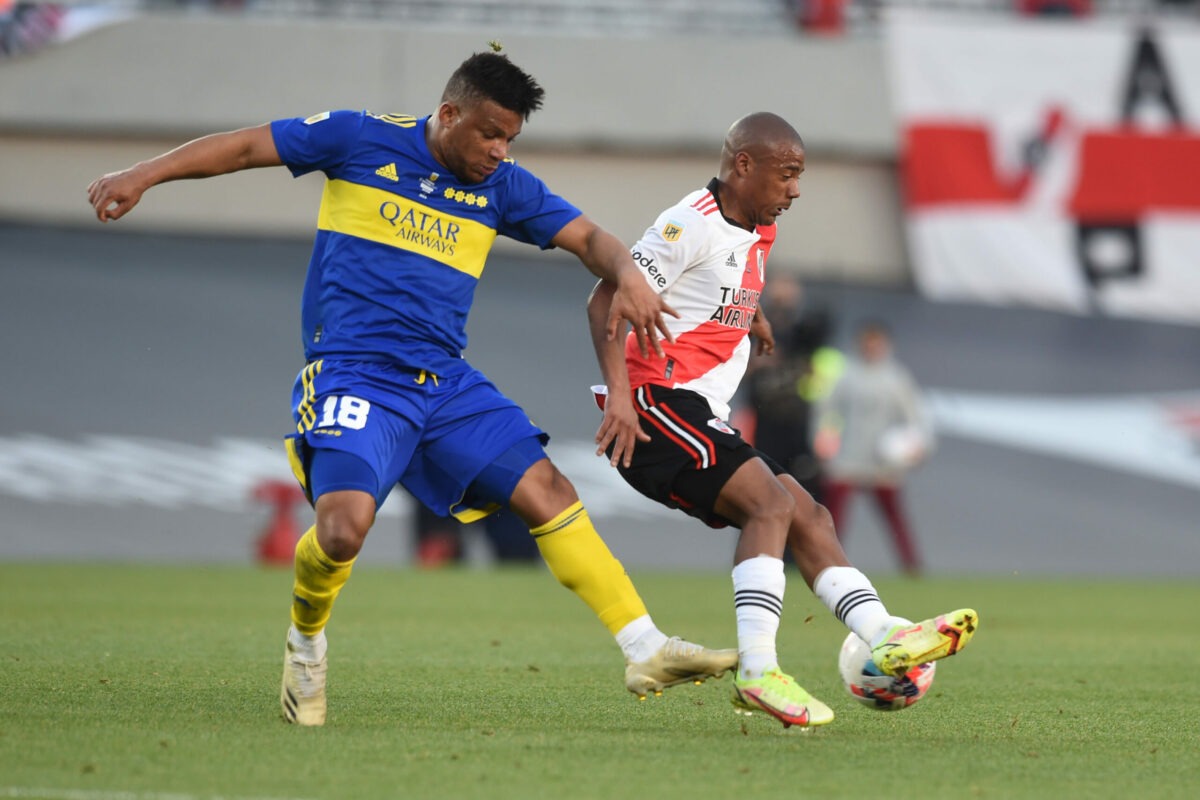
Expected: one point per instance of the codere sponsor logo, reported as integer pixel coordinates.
(388, 171)
(647, 263)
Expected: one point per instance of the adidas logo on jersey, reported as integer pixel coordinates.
(388, 172)
(732, 261)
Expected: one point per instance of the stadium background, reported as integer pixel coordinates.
(149, 362)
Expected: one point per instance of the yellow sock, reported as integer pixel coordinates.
(580, 560)
(318, 581)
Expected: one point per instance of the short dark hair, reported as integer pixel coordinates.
(491, 76)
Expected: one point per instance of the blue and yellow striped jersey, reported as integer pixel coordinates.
(400, 242)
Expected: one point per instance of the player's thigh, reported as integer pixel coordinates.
(754, 491)
(476, 427)
(356, 429)
(691, 454)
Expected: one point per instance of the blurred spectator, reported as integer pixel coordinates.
(871, 431)
(779, 388)
(822, 17)
(24, 27)
(1054, 8)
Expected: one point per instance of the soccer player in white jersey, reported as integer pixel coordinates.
(666, 422)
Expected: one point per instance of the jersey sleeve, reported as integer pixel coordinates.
(320, 142)
(673, 243)
(532, 213)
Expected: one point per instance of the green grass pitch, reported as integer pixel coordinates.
(161, 683)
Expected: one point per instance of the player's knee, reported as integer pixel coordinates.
(775, 506)
(543, 493)
(343, 520)
(812, 522)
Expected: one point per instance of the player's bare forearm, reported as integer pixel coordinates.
(113, 195)
(607, 258)
(602, 253)
(610, 352)
(620, 424)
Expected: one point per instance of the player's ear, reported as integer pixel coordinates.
(448, 114)
(742, 163)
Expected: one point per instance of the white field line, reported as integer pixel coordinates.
(38, 793)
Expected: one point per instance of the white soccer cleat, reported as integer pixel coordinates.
(302, 694)
(677, 662)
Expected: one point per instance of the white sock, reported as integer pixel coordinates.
(640, 639)
(853, 600)
(758, 585)
(309, 648)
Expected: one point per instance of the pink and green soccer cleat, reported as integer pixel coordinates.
(906, 646)
(777, 694)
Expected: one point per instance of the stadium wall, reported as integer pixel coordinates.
(629, 124)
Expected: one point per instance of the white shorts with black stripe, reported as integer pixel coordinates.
(691, 454)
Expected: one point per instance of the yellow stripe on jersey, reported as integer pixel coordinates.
(380, 216)
(296, 462)
(403, 120)
(308, 417)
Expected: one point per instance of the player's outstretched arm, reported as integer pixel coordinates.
(620, 423)
(633, 299)
(114, 194)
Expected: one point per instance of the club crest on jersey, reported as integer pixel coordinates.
(672, 231)
(762, 266)
(427, 184)
(720, 425)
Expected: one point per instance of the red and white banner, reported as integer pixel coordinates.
(1053, 163)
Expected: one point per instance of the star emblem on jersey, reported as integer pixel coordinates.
(469, 198)
(732, 261)
(388, 171)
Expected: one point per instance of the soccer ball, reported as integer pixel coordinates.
(869, 686)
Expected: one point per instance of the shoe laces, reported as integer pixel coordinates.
(780, 677)
(679, 648)
(305, 671)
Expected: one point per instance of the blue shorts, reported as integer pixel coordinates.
(433, 435)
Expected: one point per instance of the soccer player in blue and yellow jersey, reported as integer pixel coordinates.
(410, 210)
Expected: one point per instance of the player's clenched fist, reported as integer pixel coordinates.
(112, 195)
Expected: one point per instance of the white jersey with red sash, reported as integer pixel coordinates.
(712, 272)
